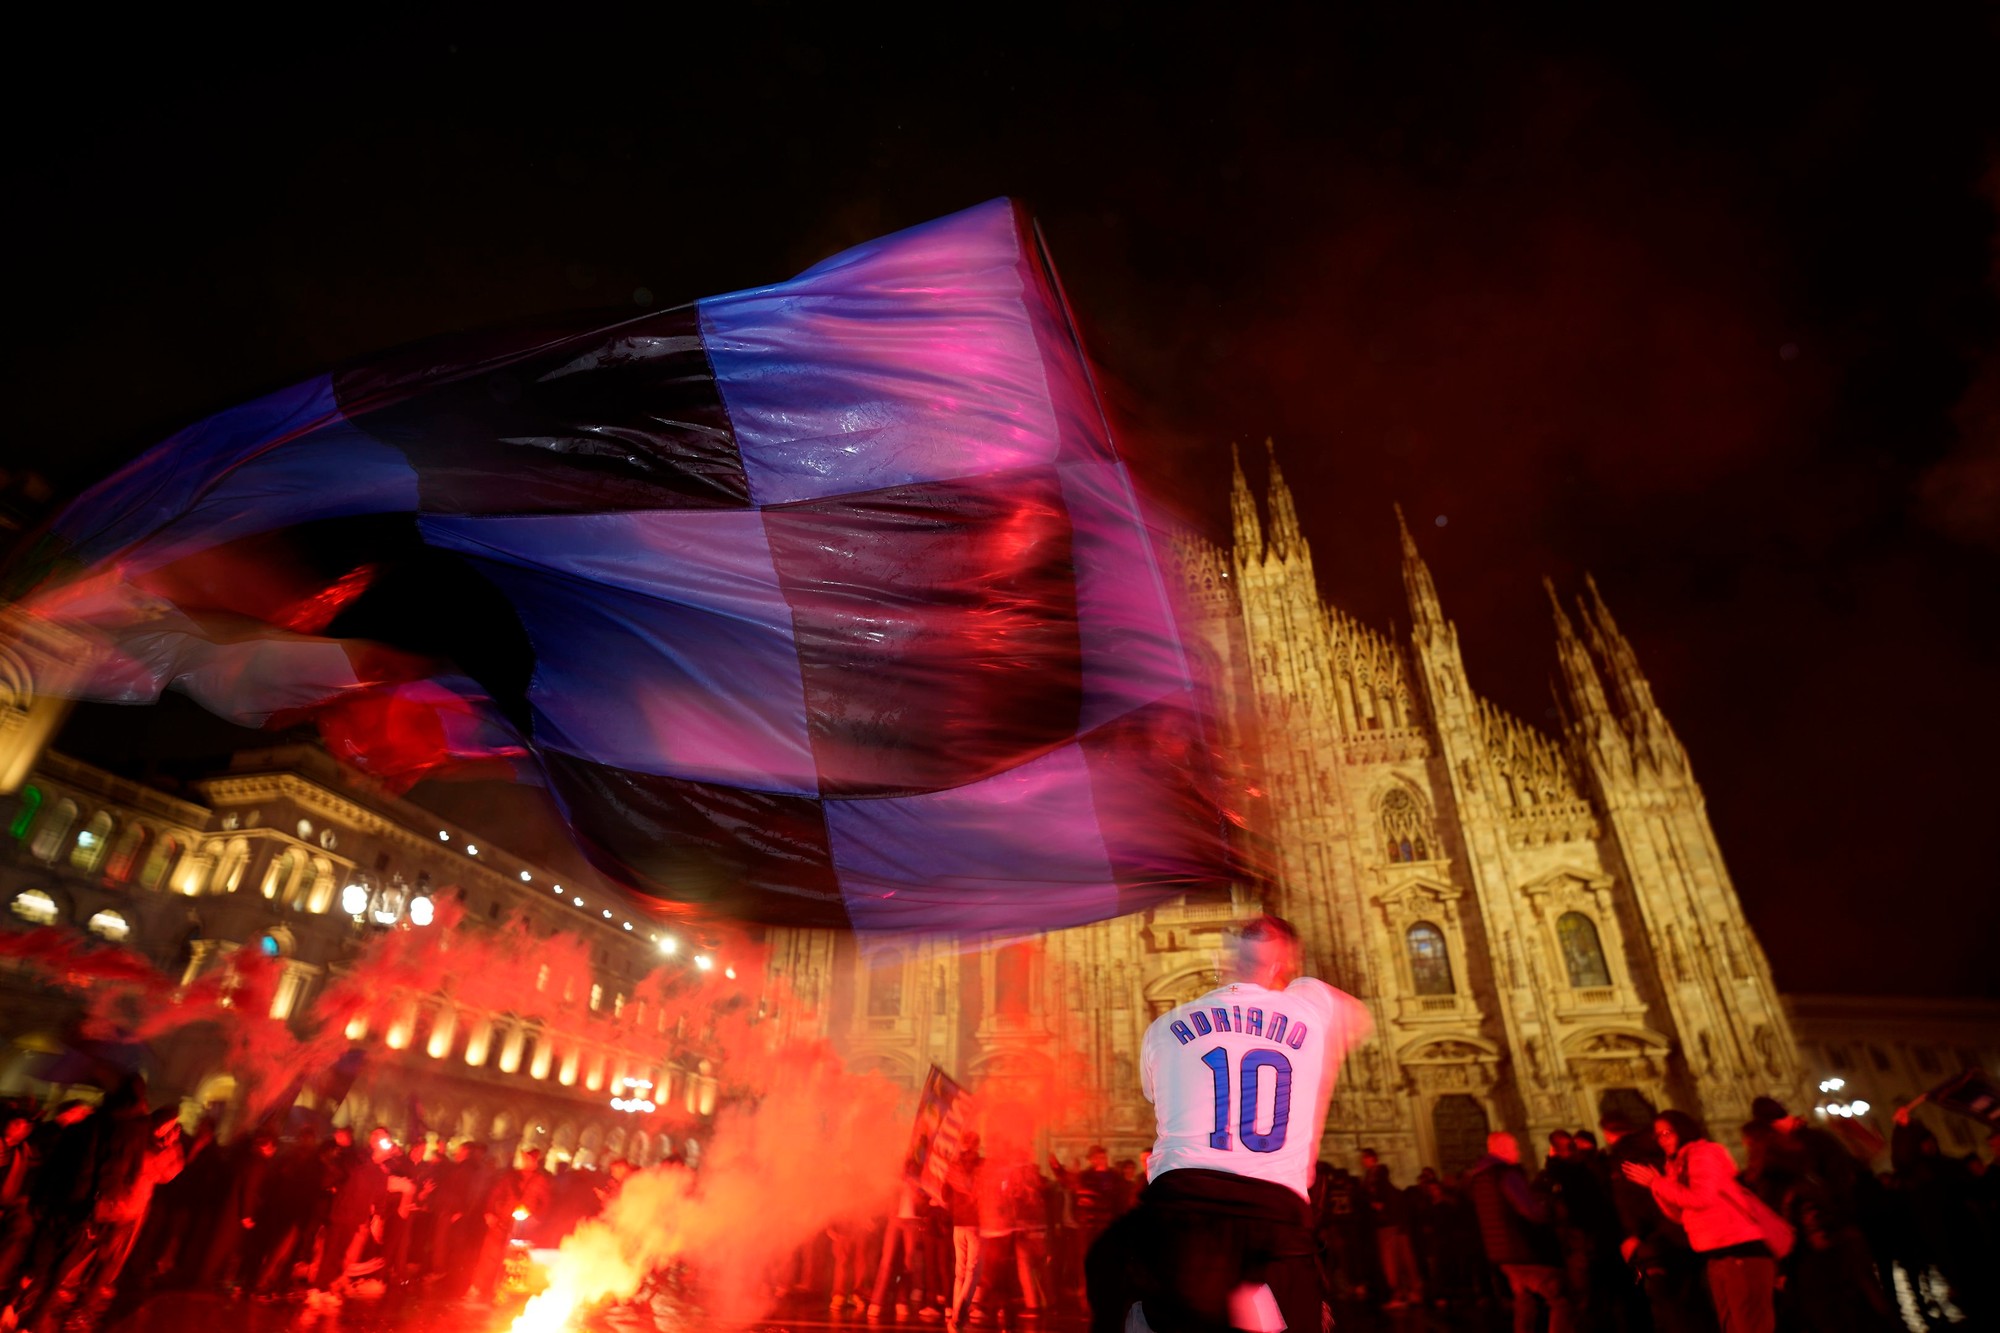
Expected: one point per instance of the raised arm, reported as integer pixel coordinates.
(1709, 1170)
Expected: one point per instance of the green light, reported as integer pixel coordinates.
(31, 805)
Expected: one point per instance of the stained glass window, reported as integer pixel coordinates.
(885, 985)
(1404, 831)
(1582, 954)
(1430, 962)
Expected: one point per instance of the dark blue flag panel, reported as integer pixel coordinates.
(829, 602)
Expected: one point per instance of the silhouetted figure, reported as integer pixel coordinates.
(1516, 1228)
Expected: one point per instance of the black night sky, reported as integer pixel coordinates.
(1706, 306)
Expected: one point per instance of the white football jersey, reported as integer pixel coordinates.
(1240, 1078)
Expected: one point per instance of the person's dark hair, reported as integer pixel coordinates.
(1767, 1109)
(1584, 1136)
(1686, 1128)
(1267, 927)
(1616, 1124)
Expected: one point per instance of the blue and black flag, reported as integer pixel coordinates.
(829, 602)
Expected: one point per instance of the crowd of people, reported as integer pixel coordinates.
(1654, 1226)
(999, 1239)
(103, 1205)
(1633, 1227)
(1625, 1228)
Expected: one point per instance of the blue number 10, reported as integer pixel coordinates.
(1217, 1061)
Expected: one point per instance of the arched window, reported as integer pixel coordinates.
(53, 831)
(1430, 962)
(92, 841)
(1014, 978)
(1405, 832)
(125, 855)
(35, 907)
(885, 985)
(109, 925)
(229, 867)
(1582, 954)
(27, 805)
(165, 852)
(316, 888)
(284, 873)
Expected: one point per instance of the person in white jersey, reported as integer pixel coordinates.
(1240, 1080)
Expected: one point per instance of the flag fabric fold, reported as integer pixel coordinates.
(829, 602)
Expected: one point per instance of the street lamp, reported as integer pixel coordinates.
(1845, 1110)
(634, 1096)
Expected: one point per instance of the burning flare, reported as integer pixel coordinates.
(810, 1145)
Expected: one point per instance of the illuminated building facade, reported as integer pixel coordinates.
(1543, 924)
(289, 853)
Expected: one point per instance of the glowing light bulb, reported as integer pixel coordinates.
(703, 961)
(607, 914)
(627, 925)
(729, 972)
(1860, 1108)
(577, 901)
(354, 899)
(470, 850)
(443, 836)
(421, 911)
(527, 878)
(668, 944)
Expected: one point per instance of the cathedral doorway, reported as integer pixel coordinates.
(1627, 1104)
(1459, 1124)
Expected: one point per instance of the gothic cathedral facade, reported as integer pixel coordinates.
(1542, 924)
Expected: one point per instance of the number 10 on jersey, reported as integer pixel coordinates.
(1254, 1063)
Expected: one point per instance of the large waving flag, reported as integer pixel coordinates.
(829, 602)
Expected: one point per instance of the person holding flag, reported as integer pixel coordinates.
(1240, 1080)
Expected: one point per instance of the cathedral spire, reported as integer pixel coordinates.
(1586, 688)
(1248, 531)
(1642, 717)
(1285, 536)
(1426, 612)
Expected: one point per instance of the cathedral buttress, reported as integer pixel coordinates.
(1717, 989)
(1526, 1019)
(1289, 644)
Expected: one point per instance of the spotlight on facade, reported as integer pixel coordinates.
(421, 911)
(703, 961)
(354, 898)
